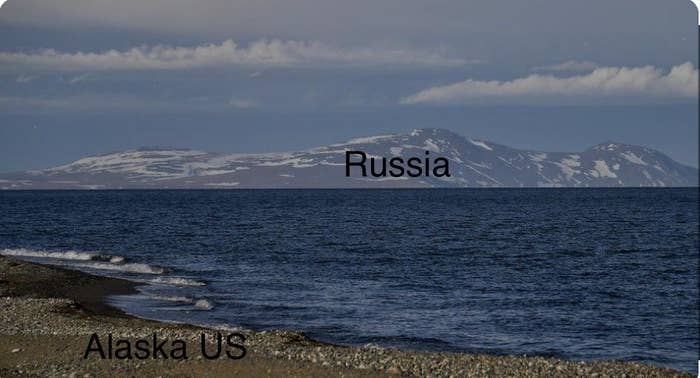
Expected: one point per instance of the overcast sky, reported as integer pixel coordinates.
(81, 77)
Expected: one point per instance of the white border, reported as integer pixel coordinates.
(697, 5)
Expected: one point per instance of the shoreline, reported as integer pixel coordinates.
(47, 315)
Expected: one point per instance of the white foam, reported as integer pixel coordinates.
(203, 304)
(177, 281)
(66, 255)
(173, 298)
(199, 304)
(130, 268)
(116, 260)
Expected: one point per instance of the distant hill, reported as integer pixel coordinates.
(473, 163)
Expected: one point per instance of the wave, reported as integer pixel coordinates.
(200, 304)
(90, 260)
(177, 281)
(172, 298)
(129, 268)
(67, 255)
(203, 304)
(116, 260)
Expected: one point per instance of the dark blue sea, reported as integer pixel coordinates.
(573, 273)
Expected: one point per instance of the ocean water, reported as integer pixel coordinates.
(572, 273)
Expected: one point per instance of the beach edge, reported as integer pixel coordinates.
(46, 307)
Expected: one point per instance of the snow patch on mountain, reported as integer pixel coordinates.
(223, 184)
(480, 144)
(602, 170)
(294, 162)
(632, 158)
(541, 156)
(373, 139)
(472, 163)
(572, 161)
(430, 145)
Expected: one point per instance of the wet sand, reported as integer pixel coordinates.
(47, 316)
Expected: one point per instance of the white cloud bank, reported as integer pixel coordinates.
(570, 65)
(604, 82)
(267, 53)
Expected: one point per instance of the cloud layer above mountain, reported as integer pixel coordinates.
(265, 53)
(569, 66)
(604, 82)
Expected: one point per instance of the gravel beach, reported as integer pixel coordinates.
(48, 314)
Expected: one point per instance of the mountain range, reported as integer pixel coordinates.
(473, 163)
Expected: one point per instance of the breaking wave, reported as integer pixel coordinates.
(200, 304)
(88, 260)
(172, 298)
(203, 304)
(99, 261)
(177, 281)
(67, 255)
(129, 268)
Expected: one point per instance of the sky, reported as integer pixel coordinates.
(83, 77)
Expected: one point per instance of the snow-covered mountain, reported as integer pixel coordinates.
(473, 163)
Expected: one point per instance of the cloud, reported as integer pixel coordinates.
(570, 66)
(96, 102)
(23, 79)
(604, 82)
(81, 78)
(243, 103)
(604, 30)
(85, 103)
(260, 53)
(107, 103)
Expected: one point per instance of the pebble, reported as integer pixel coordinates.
(42, 316)
(394, 370)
